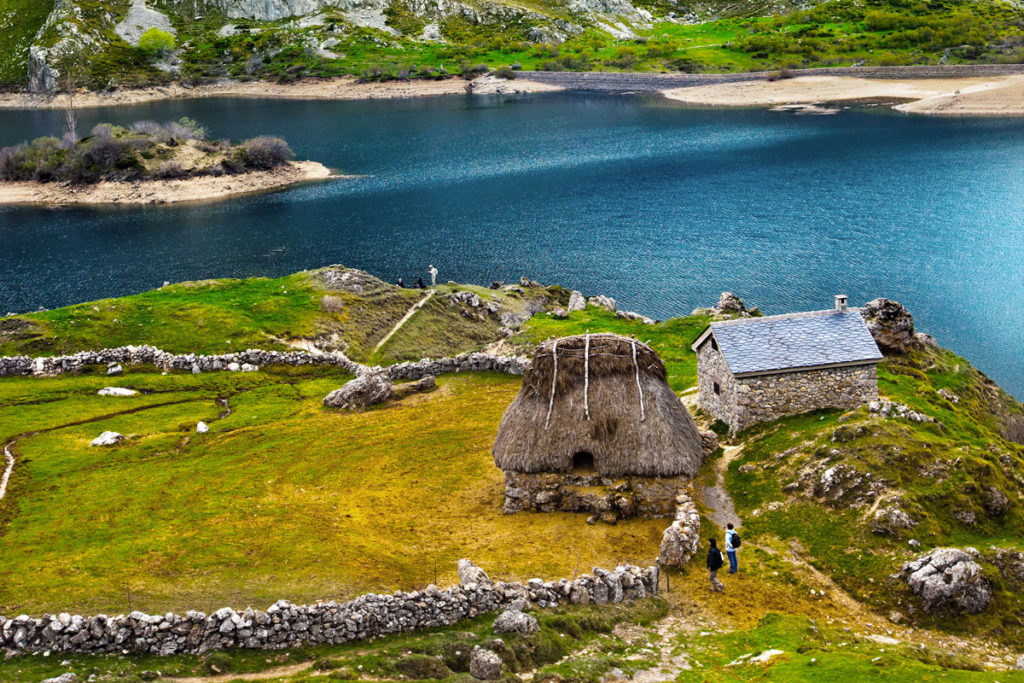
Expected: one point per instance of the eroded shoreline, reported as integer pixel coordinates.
(342, 88)
(174, 191)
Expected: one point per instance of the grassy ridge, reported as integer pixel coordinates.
(19, 22)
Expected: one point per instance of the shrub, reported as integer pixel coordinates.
(505, 72)
(156, 43)
(265, 152)
(421, 667)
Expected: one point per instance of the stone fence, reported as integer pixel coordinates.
(11, 366)
(285, 625)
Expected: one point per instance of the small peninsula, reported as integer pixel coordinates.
(147, 163)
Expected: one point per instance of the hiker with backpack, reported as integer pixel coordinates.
(714, 564)
(732, 544)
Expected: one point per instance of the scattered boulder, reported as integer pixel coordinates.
(891, 520)
(115, 369)
(996, 502)
(515, 621)
(576, 301)
(730, 303)
(630, 315)
(116, 391)
(425, 383)
(484, 665)
(107, 439)
(891, 325)
(947, 578)
(602, 301)
(249, 367)
(1020, 663)
(361, 392)
(470, 573)
(202, 427)
(559, 313)
(63, 678)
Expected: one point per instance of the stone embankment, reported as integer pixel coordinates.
(285, 625)
(681, 539)
(252, 359)
(650, 82)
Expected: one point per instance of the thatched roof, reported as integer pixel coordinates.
(612, 402)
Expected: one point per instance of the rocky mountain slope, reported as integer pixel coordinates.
(102, 45)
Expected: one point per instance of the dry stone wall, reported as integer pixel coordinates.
(11, 366)
(680, 540)
(285, 625)
(610, 499)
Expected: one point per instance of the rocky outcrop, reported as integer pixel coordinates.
(425, 383)
(515, 621)
(891, 520)
(469, 573)
(729, 306)
(484, 665)
(107, 439)
(141, 19)
(891, 325)
(362, 392)
(632, 315)
(602, 301)
(681, 539)
(576, 301)
(948, 579)
(284, 625)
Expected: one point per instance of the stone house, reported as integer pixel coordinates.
(752, 370)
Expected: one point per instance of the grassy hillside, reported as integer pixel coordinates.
(681, 36)
(333, 308)
(283, 498)
(19, 22)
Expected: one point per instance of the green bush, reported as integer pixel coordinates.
(156, 43)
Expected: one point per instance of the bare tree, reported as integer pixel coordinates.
(70, 65)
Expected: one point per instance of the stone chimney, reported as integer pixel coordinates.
(841, 303)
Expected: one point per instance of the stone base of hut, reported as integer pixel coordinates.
(608, 498)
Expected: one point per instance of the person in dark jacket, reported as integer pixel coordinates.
(714, 564)
(419, 283)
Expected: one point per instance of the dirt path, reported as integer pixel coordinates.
(721, 509)
(410, 313)
(269, 674)
(9, 460)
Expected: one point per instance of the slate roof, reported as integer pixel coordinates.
(796, 340)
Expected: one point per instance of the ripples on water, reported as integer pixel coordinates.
(657, 205)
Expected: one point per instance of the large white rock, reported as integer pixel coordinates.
(107, 439)
(202, 427)
(116, 391)
(361, 392)
(484, 665)
(576, 301)
(948, 578)
(470, 573)
(514, 621)
(139, 20)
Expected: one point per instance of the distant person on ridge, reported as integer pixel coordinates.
(419, 283)
(732, 544)
(714, 564)
(401, 283)
(432, 271)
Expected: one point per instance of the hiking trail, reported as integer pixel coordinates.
(405, 318)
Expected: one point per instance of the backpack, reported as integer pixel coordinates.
(714, 559)
(736, 540)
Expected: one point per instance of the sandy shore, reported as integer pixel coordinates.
(978, 96)
(344, 88)
(163, 191)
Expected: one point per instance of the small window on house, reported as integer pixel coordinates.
(718, 389)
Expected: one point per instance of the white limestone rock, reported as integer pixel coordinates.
(948, 578)
(116, 391)
(470, 573)
(202, 427)
(576, 301)
(140, 19)
(107, 439)
(484, 665)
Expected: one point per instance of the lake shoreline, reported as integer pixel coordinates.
(341, 88)
(948, 90)
(155, 192)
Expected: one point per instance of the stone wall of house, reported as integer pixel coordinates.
(711, 368)
(608, 499)
(285, 625)
(769, 397)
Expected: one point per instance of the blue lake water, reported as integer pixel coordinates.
(657, 205)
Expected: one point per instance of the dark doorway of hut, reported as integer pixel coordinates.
(583, 463)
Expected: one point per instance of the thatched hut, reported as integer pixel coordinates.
(593, 408)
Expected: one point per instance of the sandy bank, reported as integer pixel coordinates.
(974, 96)
(343, 88)
(199, 189)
